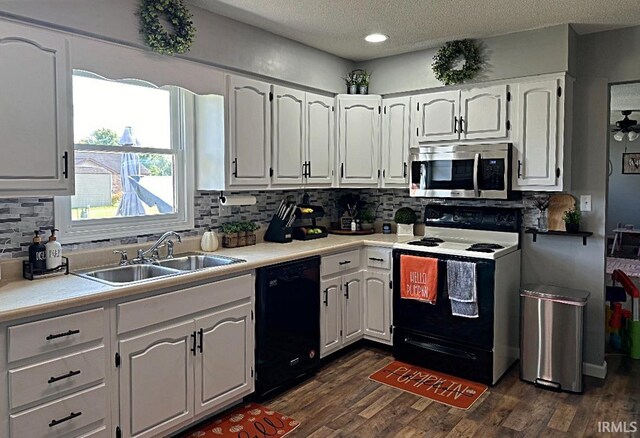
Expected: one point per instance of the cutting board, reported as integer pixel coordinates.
(558, 204)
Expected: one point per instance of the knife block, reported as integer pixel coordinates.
(278, 232)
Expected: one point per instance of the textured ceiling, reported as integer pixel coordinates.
(339, 26)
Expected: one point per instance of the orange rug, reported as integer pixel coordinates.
(249, 421)
(443, 388)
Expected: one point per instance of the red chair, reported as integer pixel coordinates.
(631, 289)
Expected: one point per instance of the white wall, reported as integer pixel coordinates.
(220, 41)
(509, 56)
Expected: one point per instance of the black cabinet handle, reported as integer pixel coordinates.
(404, 174)
(193, 338)
(71, 416)
(65, 171)
(342, 170)
(346, 290)
(64, 376)
(235, 167)
(455, 124)
(376, 259)
(62, 335)
(519, 169)
(304, 169)
(201, 336)
(326, 297)
(378, 173)
(308, 169)
(345, 262)
(462, 124)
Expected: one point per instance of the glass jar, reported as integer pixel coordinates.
(543, 221)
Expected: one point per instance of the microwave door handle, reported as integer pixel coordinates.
(476, 171)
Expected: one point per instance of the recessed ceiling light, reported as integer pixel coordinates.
(376, 38)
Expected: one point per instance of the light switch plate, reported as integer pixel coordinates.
(585, 202)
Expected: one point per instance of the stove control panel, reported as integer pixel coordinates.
(478, 218)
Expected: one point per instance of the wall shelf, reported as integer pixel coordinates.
(583, 234)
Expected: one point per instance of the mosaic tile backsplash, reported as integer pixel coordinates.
(20, 216)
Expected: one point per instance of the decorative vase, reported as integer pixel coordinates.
(405, 230)
(352, 89)
(543, 221)
(367, 226)
(571, 228)
(363, 89)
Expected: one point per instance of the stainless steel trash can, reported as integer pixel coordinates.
(551, 323)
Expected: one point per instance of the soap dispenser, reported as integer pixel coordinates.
(54, 251)
(37, 253)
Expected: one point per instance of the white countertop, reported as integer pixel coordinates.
(23, 298)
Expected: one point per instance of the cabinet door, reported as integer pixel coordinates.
(288, 135)
(436, 116)
(330, 316)
(224, 358)
(320, 139)
(395, 141)
(359, 137)
(352, 321)
(249, 131)
(35, 113)
(537, 145)
(156, 380)
(377, 306)
(483, 113)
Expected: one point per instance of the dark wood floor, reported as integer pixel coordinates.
(340, 401)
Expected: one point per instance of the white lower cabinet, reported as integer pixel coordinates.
(340, 312)
(377, 306)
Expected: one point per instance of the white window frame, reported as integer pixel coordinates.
(182, 141)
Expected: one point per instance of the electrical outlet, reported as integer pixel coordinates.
(585, 202)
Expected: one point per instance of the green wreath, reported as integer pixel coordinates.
(445, 57)
(156, 36)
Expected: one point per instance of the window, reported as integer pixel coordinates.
(132, 147)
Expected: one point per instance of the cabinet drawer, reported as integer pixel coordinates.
(173, 305)
(378, 258)
(98, 433)
(340, 262)
(61, 417)
(34, 338)
(44, 379)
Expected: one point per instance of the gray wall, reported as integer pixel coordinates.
(220, 41)
(623, 189)
(518, 54)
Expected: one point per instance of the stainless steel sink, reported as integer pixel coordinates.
(137, 273)
(129, 274)
(194, 262)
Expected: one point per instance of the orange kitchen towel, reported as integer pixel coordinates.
(419, 278)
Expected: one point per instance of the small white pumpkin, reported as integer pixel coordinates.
(209, 241)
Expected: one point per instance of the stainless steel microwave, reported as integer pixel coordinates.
(461, 171)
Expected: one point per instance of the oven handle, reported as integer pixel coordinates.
(441, 349)
(476, 172)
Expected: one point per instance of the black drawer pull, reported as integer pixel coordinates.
(64, 376)
(71, 416)
(376, 259)
(345, 262)
(62, 335)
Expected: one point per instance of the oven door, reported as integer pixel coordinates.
(445, 175)
(437, 321)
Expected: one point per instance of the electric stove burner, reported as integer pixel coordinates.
(471, 248)
(484, 247)
(427, 241)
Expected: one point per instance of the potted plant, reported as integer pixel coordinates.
(363, 82)
(351, 80)
(230, 238)
(242, 233)
(571, 220)
(367, 219)
(405, 217)
(250, 228)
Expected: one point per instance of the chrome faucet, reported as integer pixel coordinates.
(160, 243)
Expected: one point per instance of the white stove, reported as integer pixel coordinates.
(465, 243)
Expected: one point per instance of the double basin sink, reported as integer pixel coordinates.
(137, 273)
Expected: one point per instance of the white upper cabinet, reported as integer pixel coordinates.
(288, 111)
(35, 113)
(359, 139)
(320, 145)
(249, 131)
(540, 131)
(395, 141)
(483, 113)
(436, 116)
(472, 114)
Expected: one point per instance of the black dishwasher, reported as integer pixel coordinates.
(287, 323)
